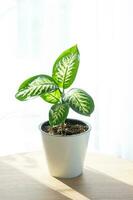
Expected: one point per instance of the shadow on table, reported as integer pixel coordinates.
(98, 186)
(17, 182)
(16, 185)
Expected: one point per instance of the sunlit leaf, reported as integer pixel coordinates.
(35, 86)
(53, 97)
(65, 67)
(58, 113)
(80, 101)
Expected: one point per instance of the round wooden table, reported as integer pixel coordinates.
(25, 177)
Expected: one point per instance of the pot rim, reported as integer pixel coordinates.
(74, 135)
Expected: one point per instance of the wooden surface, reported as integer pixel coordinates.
(25, 177)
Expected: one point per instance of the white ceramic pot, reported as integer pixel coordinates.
(65, 154)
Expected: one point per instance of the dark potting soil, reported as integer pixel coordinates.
(70, 127)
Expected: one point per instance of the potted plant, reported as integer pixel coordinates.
(65, 140)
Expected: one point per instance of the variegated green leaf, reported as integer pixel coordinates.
(53, 97)
(35, 86)
(65, 67)
(80, 101)
(58, 113)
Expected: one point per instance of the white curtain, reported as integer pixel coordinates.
(33, 33)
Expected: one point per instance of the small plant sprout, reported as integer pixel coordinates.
(52, 89)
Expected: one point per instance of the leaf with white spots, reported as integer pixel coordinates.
(66, 67)
(36, 86)
(80, 101)
(58, 114)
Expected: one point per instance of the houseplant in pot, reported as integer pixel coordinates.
(65, 140)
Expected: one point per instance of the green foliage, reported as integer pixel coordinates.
(35, 86)
(53, 97)
(80, 101)
(58, 114)
(65, 67)
(51, 89)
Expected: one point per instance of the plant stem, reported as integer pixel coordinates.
(60, 91)
(51, 130)
(63, 94)
(63, 91)
(62, 128)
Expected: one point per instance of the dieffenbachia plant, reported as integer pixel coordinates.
(51, 89)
